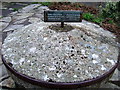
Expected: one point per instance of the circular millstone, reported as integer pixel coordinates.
(45, 54)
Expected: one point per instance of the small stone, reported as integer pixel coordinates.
(95, 56)
(94, 61)
(83, 51)
(45, 38)
(32, 50)
(59, 75)
(8, 83)
(45, 78)
(102, 67)
(111, 61)
(52, 68)
(75, 76)
(21, 60)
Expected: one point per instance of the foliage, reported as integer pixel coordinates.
(111, 21)
(111, 10)
(92, 17)
(98, 20)
(15, 9)
(88, 16)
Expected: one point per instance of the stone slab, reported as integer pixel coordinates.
(34, 19)
(3, 71)
(3, 25)
(21, 16)
(8, 83)
(20, 21)
(13, 27)
(5, 19)
(29, 8)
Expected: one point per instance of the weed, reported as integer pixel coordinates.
(15, 9)
(88, 16)
(98, 20)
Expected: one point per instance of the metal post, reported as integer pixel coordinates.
(62, 24)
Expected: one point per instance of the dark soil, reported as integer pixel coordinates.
(58, 28)
(114, 28)
(73, 6)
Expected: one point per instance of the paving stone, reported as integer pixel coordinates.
(41, 16)
(34, 19)
(20, 21)
(29, 8)
(21, 16)
(3, 71)
(8, 83)
(13, 27)
(13, 13)
(111, 86)
(41, 9)
(115, 76)
(3, 25)
(6, 19)
(1, 60)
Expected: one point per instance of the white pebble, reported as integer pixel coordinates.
(94, 61)
(33, 49)
(75, 76)
(22, 60)
(45, 38)
(102, 67)
(111, 61)
(95, 56)
(59, 75)
(45, 78)
(52, 68)
(83, 51)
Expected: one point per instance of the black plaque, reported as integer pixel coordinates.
(62, 16)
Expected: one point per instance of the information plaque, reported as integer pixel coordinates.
(62, 16)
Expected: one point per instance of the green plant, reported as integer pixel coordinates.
(111, 10)
(77, 6)
(98, 20)
(1, 17)
(15, 9)
(88, 16)
(93, 18)
(111, 21)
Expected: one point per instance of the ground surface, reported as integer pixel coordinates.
(14, 20)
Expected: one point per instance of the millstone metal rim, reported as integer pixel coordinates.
(41, 83)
